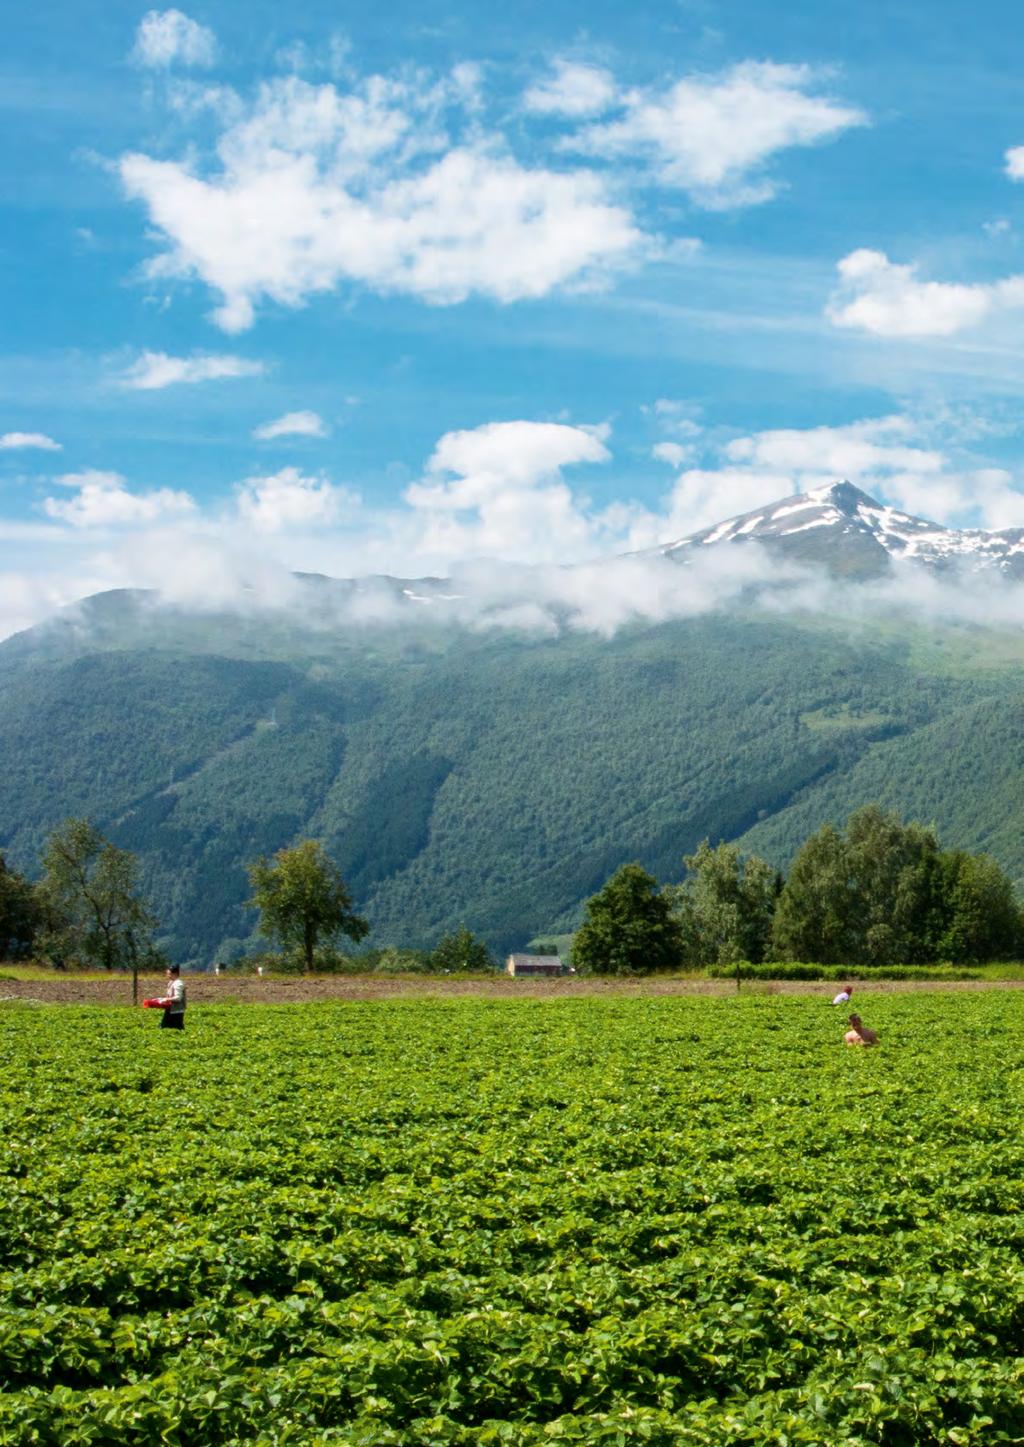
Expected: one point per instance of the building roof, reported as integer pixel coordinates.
(519, 960)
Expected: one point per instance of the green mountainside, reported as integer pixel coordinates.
(481, 777)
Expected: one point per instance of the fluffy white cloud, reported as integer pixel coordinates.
(858, 450)
(507, 476)
(156, 369)
(292, 424)
(289, 500)
(573, 90)
(314, 188)
(501, 491)
(879, 296)
(168, 37)
(1015, 163)
(878, 455)
(515, 454)
(702, 497)
(711, 135)
(674, 453)
(102, 500)
(11, 441)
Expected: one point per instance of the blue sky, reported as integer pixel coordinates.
(390, 288)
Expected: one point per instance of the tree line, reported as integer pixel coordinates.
(877, 892)
(87, 910)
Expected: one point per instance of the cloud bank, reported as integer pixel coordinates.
(405, 185)
(503, 512)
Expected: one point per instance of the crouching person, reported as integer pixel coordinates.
(858, 1033)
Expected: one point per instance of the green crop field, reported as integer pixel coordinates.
(678, 1221)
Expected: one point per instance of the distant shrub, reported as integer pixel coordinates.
(395, 961)
(797, 970)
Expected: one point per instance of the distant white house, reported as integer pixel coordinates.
(535, 965)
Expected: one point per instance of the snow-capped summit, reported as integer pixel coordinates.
(850, 532)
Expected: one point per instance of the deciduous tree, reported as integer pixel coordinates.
(91, 902)
(302, 899)
(460, 953)
(20, 913)
(725, 906)
(629, 928)
(882, 893)
(982, 917)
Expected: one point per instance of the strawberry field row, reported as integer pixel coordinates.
(664, 1221)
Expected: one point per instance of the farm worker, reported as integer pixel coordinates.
(859, 1034)
(173, 1002)
(843, 998)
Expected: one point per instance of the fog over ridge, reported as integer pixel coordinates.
(545, 601)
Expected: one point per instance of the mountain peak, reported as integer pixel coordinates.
(844, 529)
(842, 495)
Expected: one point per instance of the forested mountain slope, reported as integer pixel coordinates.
(479, 777)
(964, 772)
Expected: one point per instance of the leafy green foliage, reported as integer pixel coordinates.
(302, 900)
(20, 914)
(726, 906)
(432, 763)
(90, 901)
(665, 1221)
(629, 928)
(803, 970)
(882, 893)
(979, 917)
(460, 953)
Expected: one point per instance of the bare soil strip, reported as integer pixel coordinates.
(251, 990)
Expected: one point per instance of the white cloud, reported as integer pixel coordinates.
(674, 453)
(168, 37)
(880, 455)
(858, 450)
(292, 424)
(881, 297)
(507, 476)
(572, 89)
(289, 500)
(102, 499)
(156, 369)
(315, 188)
(10, 441)
(1015, 163)
(701, 497)
(504, 491)
(710, 135)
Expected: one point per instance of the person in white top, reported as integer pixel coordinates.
(843, 998)
(173, 1002)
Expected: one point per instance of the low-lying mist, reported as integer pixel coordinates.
(545, 601)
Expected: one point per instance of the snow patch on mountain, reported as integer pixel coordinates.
(858, 520)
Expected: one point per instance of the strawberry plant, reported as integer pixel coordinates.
(663, 1221)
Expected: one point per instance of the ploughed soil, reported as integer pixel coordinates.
(70, 989)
